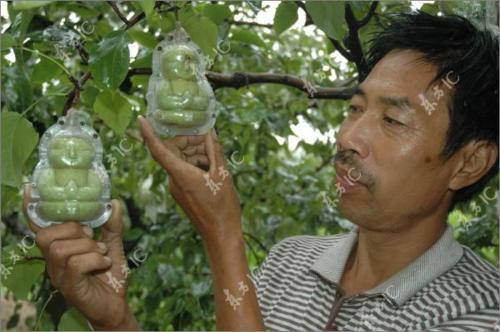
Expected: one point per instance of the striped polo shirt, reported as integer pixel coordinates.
(447, 288)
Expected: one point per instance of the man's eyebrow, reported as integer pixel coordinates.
(402, 103)
(358, 91)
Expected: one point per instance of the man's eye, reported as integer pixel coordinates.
(393, 122)
(353, 109)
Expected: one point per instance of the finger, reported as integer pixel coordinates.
(166, 158)
(213, 152)
(60, 251)
(79, 265)
(194, 149)
(185, 141)
(198, 160)
(112, 230)
(66, 231)
(26, 201)
(112, 234)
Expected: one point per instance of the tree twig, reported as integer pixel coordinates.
(74, 95)
(118, 12)
(134, 20)
(352, 50)
(353, 43)
(301, 5)
(241, 79)
(338, 46)
(364, 21)
(263, 25)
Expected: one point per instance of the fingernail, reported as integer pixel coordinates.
(107, 259)
(102, 246)
(87, 230)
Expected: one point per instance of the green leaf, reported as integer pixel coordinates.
(217, 13)
(89, 95)
(147, 6)
(247, 36)
(45, 70)
(18, 90)
(432, 9)
(73, 320)
(285, 17)
(26, 4)
(203, 32)
(143, 38)
(20, 25)
(360, 8)
(167, 23)
(7, 40)
(109, 61)
(114, 109)
(328, 16)
(145, 60)
(22, 276)
(19, 138)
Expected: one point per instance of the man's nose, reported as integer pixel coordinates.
(355, 135)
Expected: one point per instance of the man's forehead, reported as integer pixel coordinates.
(403, 70)
(405, 80)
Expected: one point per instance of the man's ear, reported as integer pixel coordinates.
(475, 160)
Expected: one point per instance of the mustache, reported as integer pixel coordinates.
(346, 159)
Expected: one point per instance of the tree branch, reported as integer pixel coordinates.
(352, 50)
(364, 21)
(301, 5)
(74, 95)
(353, 43)
(118, 12)
(250, 24)
(338, 46)
(241, 79)
(133, 20)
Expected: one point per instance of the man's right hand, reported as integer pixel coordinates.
(90, 274)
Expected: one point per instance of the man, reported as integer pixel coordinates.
(422, 136)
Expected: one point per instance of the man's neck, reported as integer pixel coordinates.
(379, 255)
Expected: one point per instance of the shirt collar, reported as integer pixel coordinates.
(439, 258)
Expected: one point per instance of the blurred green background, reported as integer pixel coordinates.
(278, 141)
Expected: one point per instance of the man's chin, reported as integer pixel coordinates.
(354, 211)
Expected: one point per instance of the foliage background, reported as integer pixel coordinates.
(281, 179)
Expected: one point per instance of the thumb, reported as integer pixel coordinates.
(112, 230)
(26, 201)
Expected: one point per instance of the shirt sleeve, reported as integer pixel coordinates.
(261, 276)
(483, 320)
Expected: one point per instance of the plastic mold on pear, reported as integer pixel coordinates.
(70, 182)
(180, 98)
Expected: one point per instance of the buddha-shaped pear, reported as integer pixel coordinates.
(69, 182)
(180, 99)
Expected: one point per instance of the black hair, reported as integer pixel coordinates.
(454, 45)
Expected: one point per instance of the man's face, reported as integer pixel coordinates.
(393, 148)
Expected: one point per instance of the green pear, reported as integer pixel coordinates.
(179, 62)
(70, 152)
(70, 210)
(70, 189)
(184, 118)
